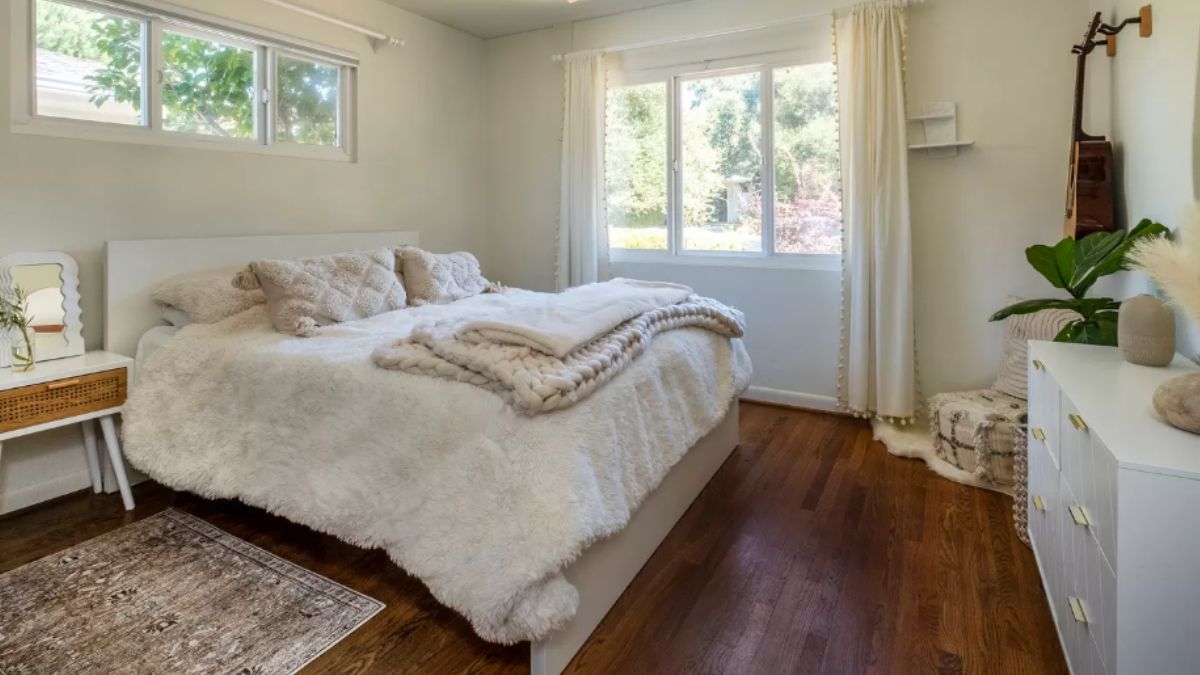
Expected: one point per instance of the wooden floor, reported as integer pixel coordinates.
(811, 551)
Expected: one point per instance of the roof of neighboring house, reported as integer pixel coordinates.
(64, 72)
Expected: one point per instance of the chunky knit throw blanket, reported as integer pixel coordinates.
(534, 381)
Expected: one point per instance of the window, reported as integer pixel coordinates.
(180, 78)
(307, 101)
(742, 161)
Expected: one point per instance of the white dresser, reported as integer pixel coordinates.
(1114, 501)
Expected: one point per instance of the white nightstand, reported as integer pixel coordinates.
(74, 390)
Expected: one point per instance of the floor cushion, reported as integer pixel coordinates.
(977, 430)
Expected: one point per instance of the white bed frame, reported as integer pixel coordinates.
(601, 574)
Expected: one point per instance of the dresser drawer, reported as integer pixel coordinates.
(59, 399)
(1086, 601)
(1042, 510)
(1044, 410)
(1091, 471)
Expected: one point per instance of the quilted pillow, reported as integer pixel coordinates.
(1018, 331)
(439, 278)
(305, 294)
(206, 297)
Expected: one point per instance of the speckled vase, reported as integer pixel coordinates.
(1178, 402)
(1146, 331)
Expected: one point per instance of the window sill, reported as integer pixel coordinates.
(115, 133)
(809, 262)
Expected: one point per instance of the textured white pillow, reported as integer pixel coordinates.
(439, 278)
(1018, 331)
(207, 296)
(311, 292)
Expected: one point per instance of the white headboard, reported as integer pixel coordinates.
(133, 268)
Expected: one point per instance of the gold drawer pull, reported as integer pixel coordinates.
(1039, 365)
(1077, 609)
(1039, 504)
(1080, 516)
(63, 384)
(1077, 422)
(1039, 434)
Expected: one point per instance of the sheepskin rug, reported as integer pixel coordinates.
(486, 506)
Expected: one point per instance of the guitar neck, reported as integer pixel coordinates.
(1077, 120)
(1077, 132)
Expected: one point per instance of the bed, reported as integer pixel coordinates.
(598, 567)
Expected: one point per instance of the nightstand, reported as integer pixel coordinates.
(75, 390)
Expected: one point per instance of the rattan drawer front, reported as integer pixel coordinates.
(40, 403)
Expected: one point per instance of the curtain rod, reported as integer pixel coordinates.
(377, 39)
(722, 33)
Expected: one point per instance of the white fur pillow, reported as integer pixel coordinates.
(311, 292)
(207, 296)
(439, 278)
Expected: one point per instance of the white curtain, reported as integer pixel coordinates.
(582, 233)
(877, 373)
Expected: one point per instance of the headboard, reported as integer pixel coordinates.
(133, 268)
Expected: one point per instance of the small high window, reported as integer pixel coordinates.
(178, 76)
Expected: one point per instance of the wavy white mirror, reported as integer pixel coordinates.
(50, 282)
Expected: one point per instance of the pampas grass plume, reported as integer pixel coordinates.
(1174, 265)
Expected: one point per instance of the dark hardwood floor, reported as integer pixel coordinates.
(811, 551)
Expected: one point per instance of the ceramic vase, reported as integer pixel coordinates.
(1146, 331)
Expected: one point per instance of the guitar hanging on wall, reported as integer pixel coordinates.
(1090, 205)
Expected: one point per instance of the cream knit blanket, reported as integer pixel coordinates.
(534, 381)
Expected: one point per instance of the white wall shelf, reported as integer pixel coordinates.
(940, 124)
(936, 146)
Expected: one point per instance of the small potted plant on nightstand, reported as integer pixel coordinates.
(14, 318)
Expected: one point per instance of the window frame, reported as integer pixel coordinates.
(674, 77)
(157, 17)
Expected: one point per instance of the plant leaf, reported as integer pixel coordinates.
(1046, 261)
(1092, 250)
(1114, 260)
(1031, 306)
(1088, 308)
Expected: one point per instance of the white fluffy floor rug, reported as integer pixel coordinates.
(916, 442)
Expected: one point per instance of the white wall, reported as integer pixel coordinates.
(1155, 125)
(421, 124)
(973, 215)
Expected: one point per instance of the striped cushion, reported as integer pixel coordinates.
(1019, 330)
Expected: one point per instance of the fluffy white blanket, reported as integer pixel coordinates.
(484, 505)
(603, 328)
(561, 323)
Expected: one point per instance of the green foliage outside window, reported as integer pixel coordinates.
(207, 87)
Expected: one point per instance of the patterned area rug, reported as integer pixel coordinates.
(170, 594)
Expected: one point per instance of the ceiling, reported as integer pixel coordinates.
(495, 18)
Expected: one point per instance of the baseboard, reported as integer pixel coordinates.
(792, 399)
(30, 495)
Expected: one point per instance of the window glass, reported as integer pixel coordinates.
(636, 166)
(306, 97)
(208, 87)
(89, 64)
(808, 197)
(721, 120)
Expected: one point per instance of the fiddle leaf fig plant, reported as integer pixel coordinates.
(1076, 266)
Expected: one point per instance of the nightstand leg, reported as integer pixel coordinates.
(93, 455)
(118, 462)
